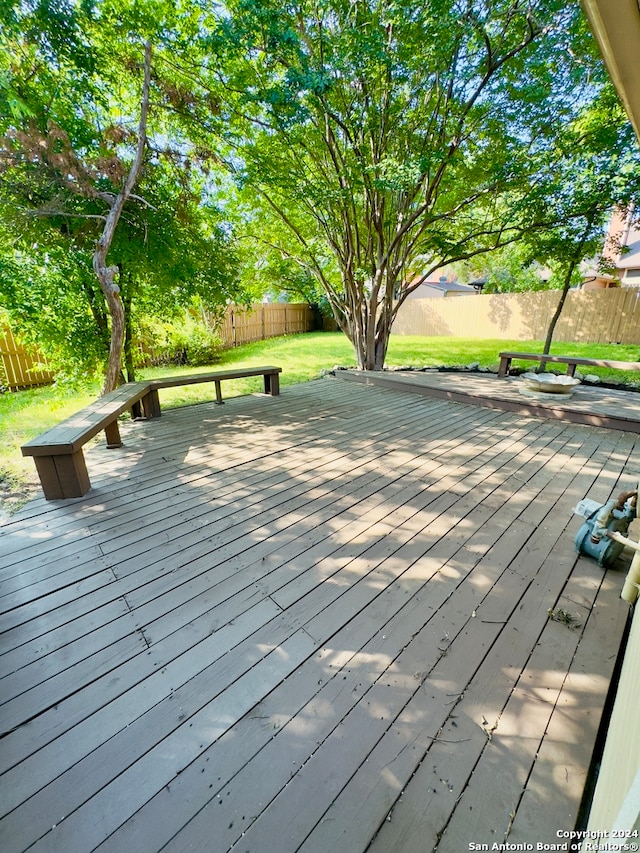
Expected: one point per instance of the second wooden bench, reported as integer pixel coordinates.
(571, 361)
(58, 452)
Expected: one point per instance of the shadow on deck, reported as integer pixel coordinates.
(308, 623)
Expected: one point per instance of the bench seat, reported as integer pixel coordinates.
(58, 454)
(571, 361)
(270, 374)
(69, 435)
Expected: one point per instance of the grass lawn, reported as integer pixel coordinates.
(302, 357)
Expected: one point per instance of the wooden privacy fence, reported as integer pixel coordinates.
(19, 368)
(242, 325)
(589, 316)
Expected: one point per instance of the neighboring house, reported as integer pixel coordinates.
(442, 287)
(594, 279)
(622, 251)
(628, 262)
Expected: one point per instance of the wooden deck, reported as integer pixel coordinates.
(307, 623)
(589, 404)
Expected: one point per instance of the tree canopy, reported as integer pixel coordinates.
(363, 143)
(596, 169)
(90, 178)
(396, 137)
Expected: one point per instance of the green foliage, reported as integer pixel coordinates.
(47, 299)
(189, 341)
(596, 168)
(506, 270)
(267, 264)
(394, 138)
(69, 99)
(361, 142)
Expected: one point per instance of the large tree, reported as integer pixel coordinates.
(395, 136)
(66, 140)
(93, 184)
(597, 170)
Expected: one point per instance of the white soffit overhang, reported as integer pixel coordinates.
(616, 27)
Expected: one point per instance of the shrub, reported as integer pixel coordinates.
(188, 341)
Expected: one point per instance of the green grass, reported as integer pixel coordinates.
(23, 415)
(302, 357)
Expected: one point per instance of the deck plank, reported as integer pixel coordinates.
(392, 754)
(227, 485)
(281, 650)
(331, 702)
(563, 758)
(441, 781)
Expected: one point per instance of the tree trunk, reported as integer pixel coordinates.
(367, 323)
(354, 326)
(363, 358)
(369, 351)
(97, 308)
(116, 312)
(556, 314)
(105, 274)
(566, 284)
(381, 342)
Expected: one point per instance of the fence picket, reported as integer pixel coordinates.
(18, 364)
(242, 325)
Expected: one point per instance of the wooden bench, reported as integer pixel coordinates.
(571, 361)
(58, 453)
(271, 381)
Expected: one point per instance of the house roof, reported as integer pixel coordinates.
(443, 285)
(448, 286)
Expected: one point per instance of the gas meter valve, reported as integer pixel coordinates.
(614, 516)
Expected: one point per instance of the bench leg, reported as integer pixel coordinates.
(136, 411)
(151, 404)
(503, 369)
(219, 401)
(112, 432)
(63, 476)
(272, 384)
(571, 369)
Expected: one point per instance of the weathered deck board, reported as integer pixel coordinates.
(93, 604)
(565, 753)
(167, 493)
(392, 754)
(225, 524)
(275, 624)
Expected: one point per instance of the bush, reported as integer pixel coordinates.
(184, 342)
